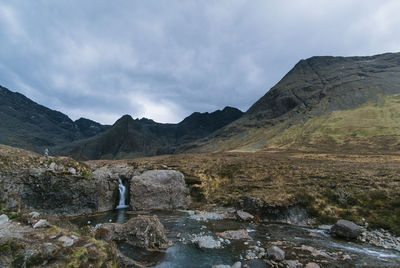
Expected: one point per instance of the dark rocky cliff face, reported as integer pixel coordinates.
(130, 137)
(28, 125)
(31, 126)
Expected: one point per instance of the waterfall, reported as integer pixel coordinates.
(122, 193)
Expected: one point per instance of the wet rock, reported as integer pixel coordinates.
(142, 231)
(346, 229)
(312, 265)
(237, 265)
(380, 238)
(294, 214)
(275, 253)
(205, 216)
(3, 218)
(243, 215)
(205, 241)
(159, 189)
(221, 266)
(235, 235)
(41, 224)
(314, 252)
(292, 263)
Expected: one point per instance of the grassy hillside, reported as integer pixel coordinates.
(323, 103)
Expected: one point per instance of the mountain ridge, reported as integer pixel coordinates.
(313, 88)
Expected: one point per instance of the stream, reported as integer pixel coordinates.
(328, 251)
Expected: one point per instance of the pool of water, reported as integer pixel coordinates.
(183, 254)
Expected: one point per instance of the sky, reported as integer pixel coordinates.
(164, 59)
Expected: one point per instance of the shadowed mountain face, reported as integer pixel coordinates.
(29, 125)
(130, 137)
(329, 103)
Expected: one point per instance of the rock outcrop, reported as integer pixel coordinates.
(142, 231)
(30, 181)
(24, 246)
(159, 189)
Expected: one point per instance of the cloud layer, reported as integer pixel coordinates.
(163, 60)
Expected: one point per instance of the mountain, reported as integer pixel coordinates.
(130, 137)
(323, 103)
(29, 125)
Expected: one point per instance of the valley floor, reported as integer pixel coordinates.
(362, 188)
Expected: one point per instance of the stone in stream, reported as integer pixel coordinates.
(237, 264)
(275, 253)
(235, 235)
(312, 265)
(243, 215)
(292, 263)
(346, 229)
(142, 231)
(205, 241)
(159, 189)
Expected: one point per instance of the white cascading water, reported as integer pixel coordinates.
(122, 192)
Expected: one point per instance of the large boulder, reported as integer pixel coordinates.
(159, 189)
(143, 231)
(346, 229)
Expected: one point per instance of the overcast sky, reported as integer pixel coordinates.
(101, 59)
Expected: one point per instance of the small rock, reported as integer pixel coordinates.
(206, 242)
(3, 218)
(237, 265)
(66, 241)
(275, 253)
(89, 245)
(34, 215)
(72, 171)
(41, 224)
(36, 172)
(49, 249)
(221, 266)
(243, 215)
(53, 166)
(346, 257)
(312, 265)
(235, 235)
(293, 263)
(74, 237)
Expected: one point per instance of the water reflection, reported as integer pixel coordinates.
(121, 216)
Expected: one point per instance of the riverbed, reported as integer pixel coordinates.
(299, 243)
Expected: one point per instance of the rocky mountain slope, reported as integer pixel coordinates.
(130, 137)
(323, 103)
(29, 125)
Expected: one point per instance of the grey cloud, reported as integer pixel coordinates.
(167, 59)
